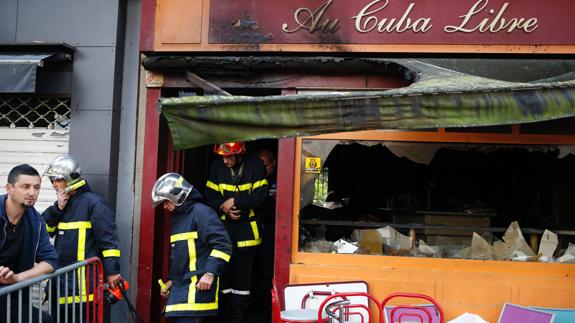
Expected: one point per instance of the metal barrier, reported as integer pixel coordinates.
(74, 294)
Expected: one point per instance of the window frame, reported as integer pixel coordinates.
(437, 136)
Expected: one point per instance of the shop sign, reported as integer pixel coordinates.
(527, 22)
(312, 165)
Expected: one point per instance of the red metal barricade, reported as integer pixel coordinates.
(75, 292)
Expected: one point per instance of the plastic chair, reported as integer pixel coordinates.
(310, 295)
(340, 310)
(419, 311)
(294, 315)
(343, 308)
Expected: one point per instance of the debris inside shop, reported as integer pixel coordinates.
(485, 202)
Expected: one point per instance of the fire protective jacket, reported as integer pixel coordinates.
(85, 228)
(199, 243)
(248, 185)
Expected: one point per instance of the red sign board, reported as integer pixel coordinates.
(496, 22)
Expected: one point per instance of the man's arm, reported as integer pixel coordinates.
(8, 277)
(104, 228)
(257, 197)
(52, 216)
(214, 236)
(45, 252)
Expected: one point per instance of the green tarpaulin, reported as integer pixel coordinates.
(439, 98)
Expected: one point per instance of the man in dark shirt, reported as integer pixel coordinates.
(25, 249)
(10, 251)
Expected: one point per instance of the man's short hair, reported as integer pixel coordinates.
(23, 169)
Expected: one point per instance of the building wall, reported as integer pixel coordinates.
(90, 26)
(104, 90)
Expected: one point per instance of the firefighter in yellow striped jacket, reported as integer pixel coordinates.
(199, 250)
(84, 226)
(237, 188)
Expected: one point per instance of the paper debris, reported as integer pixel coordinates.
(548, 244)
(321, 246)
(426, 249)
(546, 259)
(468, 318)
(501, 250)
(342, 246)
(514, 239)
(569, 255)
(480, 248)
(394, 239)
(464, 253)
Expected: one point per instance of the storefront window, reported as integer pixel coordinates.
(440, 200)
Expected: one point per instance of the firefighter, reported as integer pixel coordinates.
(237, 188)
(200, 249)
(85, 227)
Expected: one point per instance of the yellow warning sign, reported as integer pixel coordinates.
(312, 165)
(154, 79)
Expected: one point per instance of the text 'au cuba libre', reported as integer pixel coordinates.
(479, 18)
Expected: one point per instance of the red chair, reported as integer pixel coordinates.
(418, 311)
(344, 307)
(341, 310)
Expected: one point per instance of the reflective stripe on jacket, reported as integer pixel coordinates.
(85, 228)
(199, 243)
(248, 185)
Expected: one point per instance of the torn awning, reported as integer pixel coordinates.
(438, 98)
(19, 71)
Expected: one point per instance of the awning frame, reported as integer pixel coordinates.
(19, 64)
(438, 97)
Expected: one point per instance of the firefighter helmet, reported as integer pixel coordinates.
(64, 167)
(172, 187)
(230, 148)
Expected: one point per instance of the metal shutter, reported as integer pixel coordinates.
(36, 147)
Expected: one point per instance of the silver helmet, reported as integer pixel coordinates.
(64, 167)
(172, 187)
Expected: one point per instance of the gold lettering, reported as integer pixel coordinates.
(312, 20)
(366, 20)
(371, 20)
(530, 25)
(492, 24)
(466, 18)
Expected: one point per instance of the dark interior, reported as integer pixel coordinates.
(535, 188)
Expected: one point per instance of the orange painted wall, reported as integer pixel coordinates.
(460, 286)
